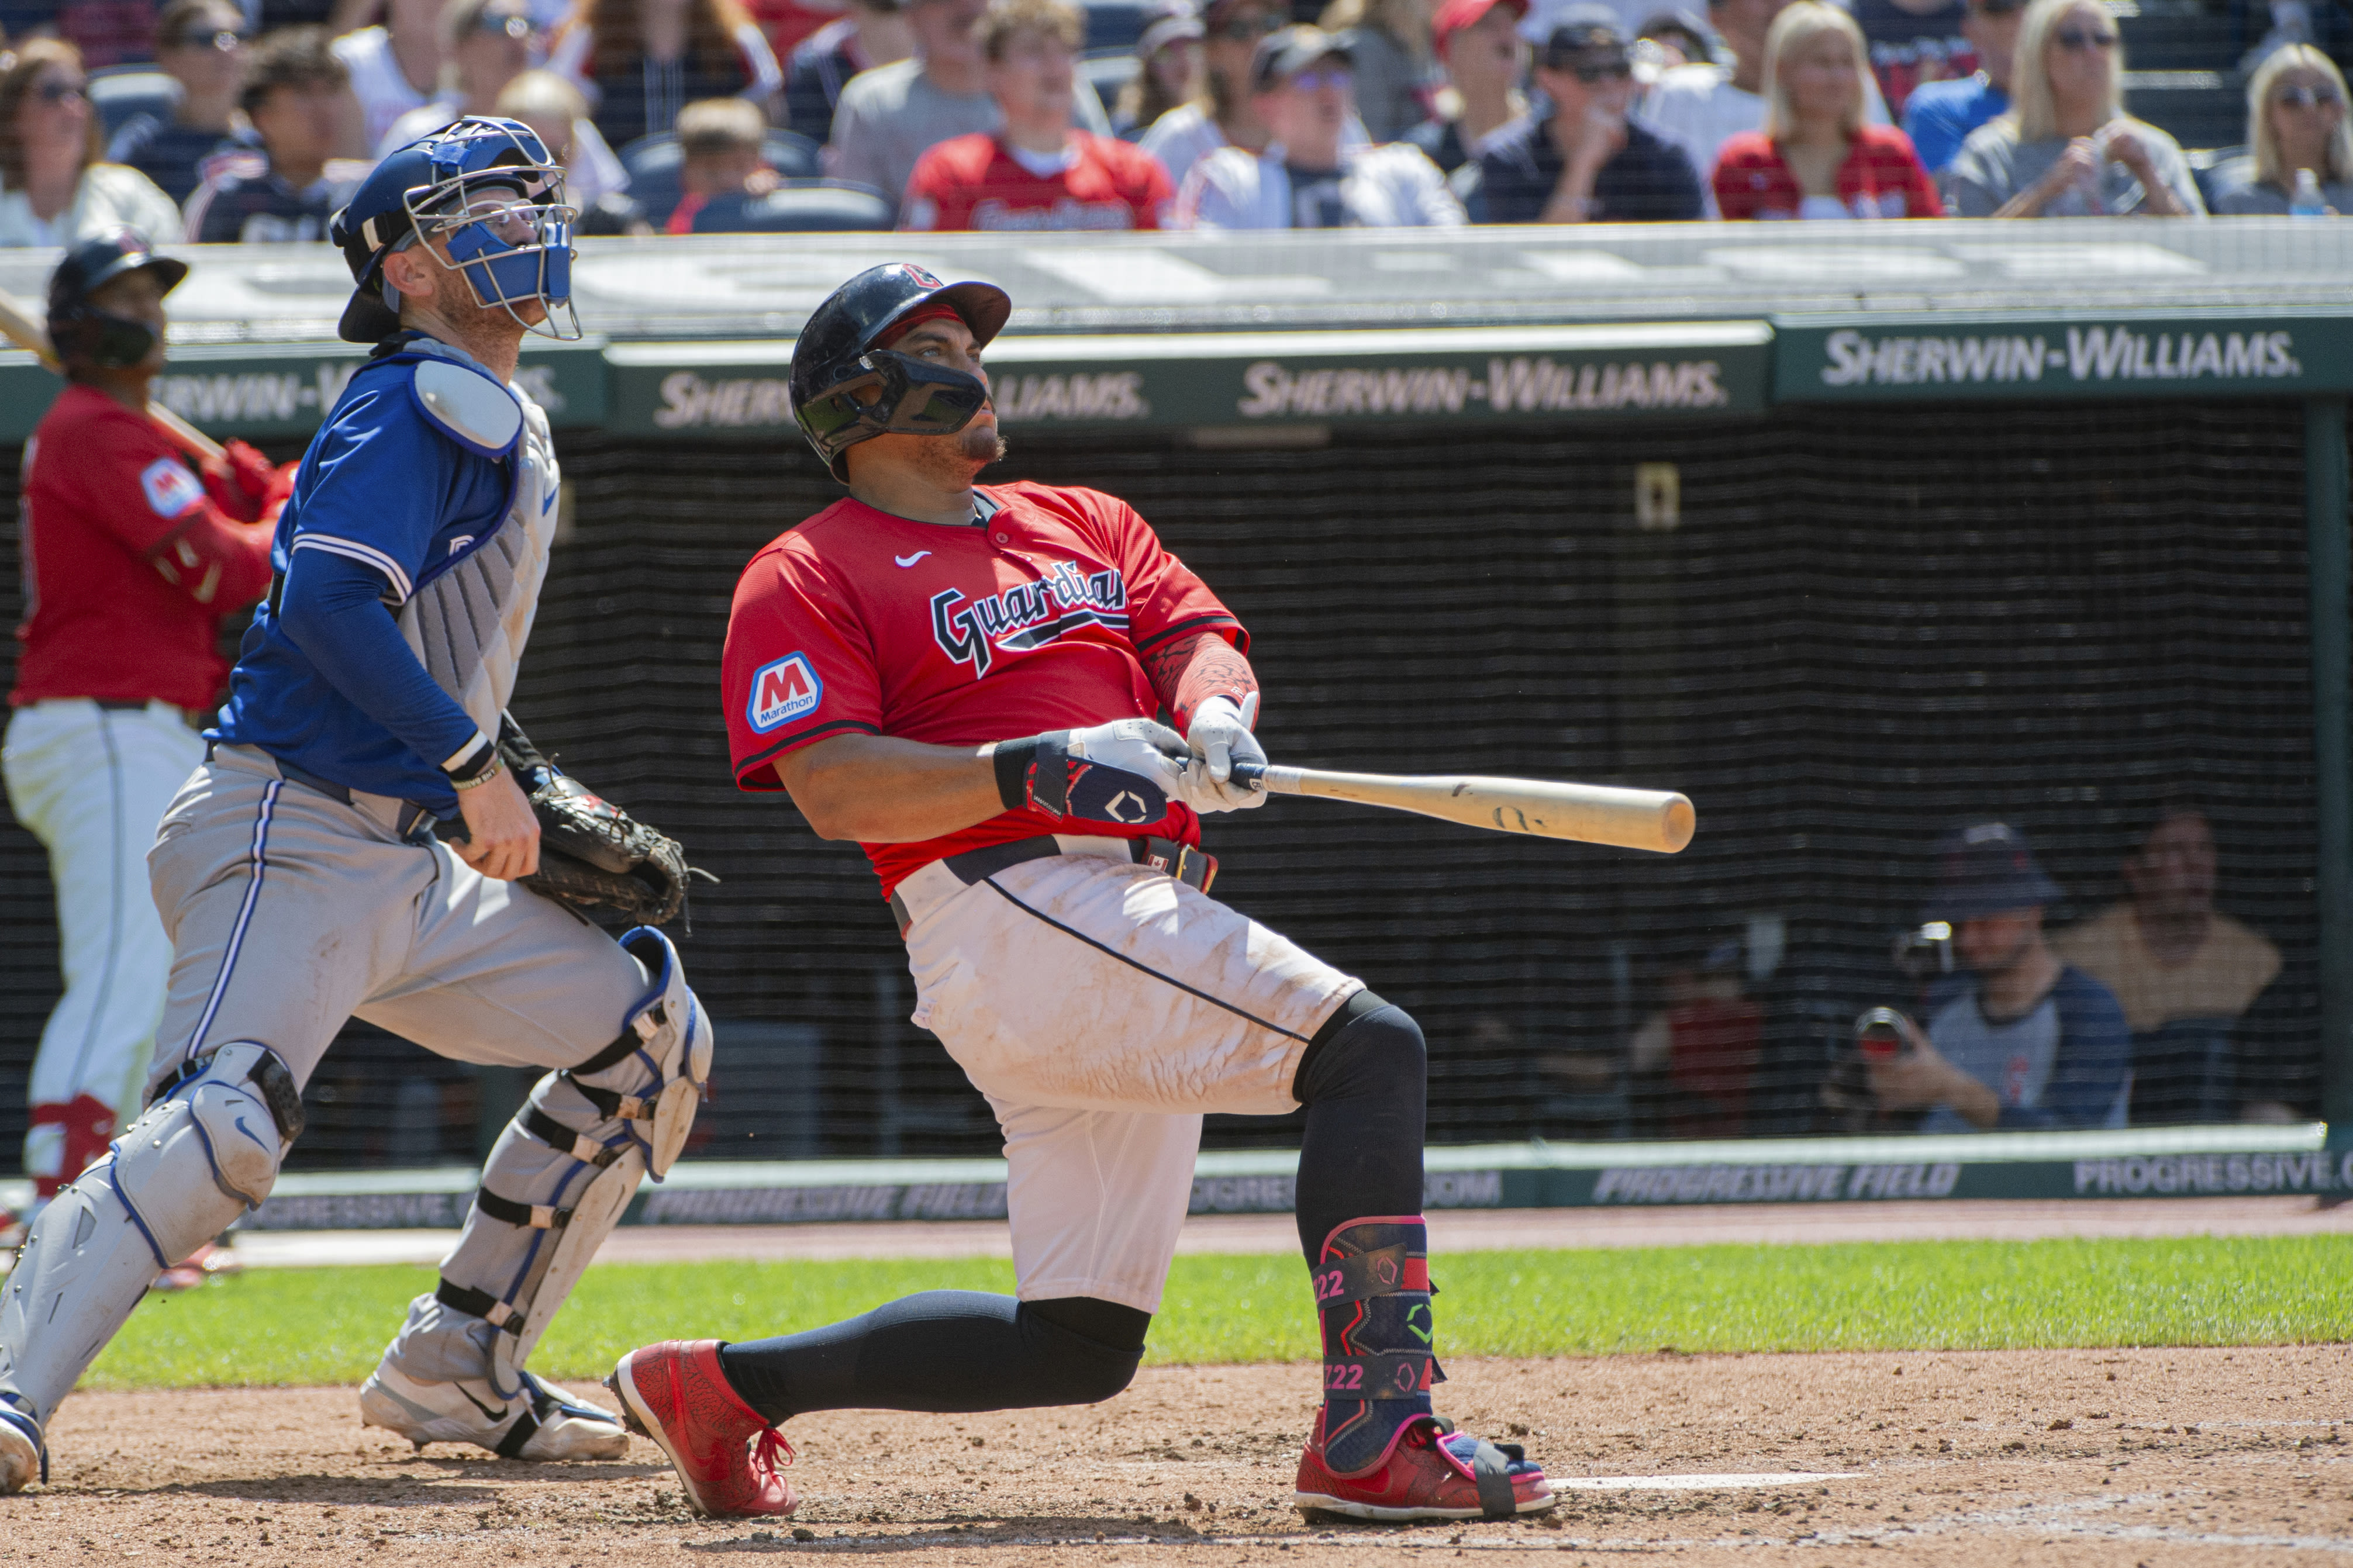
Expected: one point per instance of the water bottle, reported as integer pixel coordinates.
(2307, 201)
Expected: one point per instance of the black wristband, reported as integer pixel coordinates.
(478, 763)
(1013, 758)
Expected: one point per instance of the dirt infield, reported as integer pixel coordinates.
(2060, 1458)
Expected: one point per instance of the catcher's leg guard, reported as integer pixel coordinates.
(557, 1182)
(206, 1151)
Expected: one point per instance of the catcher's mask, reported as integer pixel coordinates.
(83, 334)
(845, 389)
(489, 191)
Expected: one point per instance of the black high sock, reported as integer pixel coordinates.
(1365, 1080)
(944, 1351)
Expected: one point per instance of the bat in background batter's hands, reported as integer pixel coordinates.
(1657, 820)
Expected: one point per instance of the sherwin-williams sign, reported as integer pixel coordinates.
(1880, 360)
(1247, 378)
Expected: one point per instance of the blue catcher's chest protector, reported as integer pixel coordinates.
(445, 482)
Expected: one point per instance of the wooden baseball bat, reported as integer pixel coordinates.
(1656, 820)
(27, 332)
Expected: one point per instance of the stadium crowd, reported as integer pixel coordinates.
(252, 120)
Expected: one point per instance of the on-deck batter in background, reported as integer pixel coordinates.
(132, 561)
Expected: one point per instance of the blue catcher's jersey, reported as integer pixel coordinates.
(388, 498)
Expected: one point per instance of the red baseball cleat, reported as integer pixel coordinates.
(724, 1452)
(1430, 1471)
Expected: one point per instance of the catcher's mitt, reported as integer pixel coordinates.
(592, 854)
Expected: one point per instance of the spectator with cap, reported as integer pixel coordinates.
(1939, 115)
(1223, 115)
(891, 115)
(1397, 75)
(485, 44)
(1586, 162)
(298, 96)
(2296, 124)
(1670, 38)
(1698, 107)
(1036, 171)
(1311, 175)
(2026, 1041)
(1478, 42)
(868, 33)
(2067, 148)
(642, 62)
(1169, 65)
(53, 191)
(1912, 42)
(2184, 972)
(395, 65)
(1816, 158)
(201, 45)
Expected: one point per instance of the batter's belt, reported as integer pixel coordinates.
(930, 885)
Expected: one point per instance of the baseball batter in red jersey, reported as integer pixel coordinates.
(1036, 171)
(963, 678)
(131, 558)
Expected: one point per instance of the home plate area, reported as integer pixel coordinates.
(2106, 1457)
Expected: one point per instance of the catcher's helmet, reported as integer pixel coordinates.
(81, 332)
(835, 358)
(435, 185)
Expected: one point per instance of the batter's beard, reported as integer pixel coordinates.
(952, 462)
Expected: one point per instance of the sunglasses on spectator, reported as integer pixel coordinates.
(515, 27)
(2077, 40)
(225, 39)
(57, 92)
(1317, 77)
(2307, 96)
(1249, 29)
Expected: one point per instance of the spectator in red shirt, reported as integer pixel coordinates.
(1817, 157)
(132, 562)
(1037, 170)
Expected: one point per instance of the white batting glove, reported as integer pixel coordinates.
(1220, 738)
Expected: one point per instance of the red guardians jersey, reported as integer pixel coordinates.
(131, 561)
(976, 181)
(860, 622)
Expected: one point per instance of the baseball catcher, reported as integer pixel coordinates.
(303, 876)
(963, 678)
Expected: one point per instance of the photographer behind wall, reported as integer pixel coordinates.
(2026, 1041)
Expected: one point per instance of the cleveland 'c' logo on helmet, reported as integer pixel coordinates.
(922, 278)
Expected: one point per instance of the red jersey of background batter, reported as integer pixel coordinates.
(858, 621)
(106, 496)
(972, 182)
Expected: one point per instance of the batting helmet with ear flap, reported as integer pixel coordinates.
(81, 332)
(845, 389)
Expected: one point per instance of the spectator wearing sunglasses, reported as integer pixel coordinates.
(1585, 161)
(1478, 42)
(1223, 116)
(1312, 175)
(2296, 121)
(485, 44)
(1939, 115)
(298, 97)
(53, 191)
(200, 44)
(1816, 158)
(2067, 148)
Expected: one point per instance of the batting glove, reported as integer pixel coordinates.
(1123, 771)
(1221, 737)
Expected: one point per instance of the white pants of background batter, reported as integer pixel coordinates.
(1104, 1007)
(91, 783)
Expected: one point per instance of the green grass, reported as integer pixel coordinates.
(328, 1325)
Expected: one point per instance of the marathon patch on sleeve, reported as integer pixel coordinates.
(784, 690)
(171, 488)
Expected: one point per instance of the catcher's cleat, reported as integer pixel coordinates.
(724, 1452)
(24, 1457)
(540, 1423)
(1428, 1471)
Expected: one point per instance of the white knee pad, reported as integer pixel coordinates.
(200, 1156)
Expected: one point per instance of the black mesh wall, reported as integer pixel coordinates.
(1850, 631)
